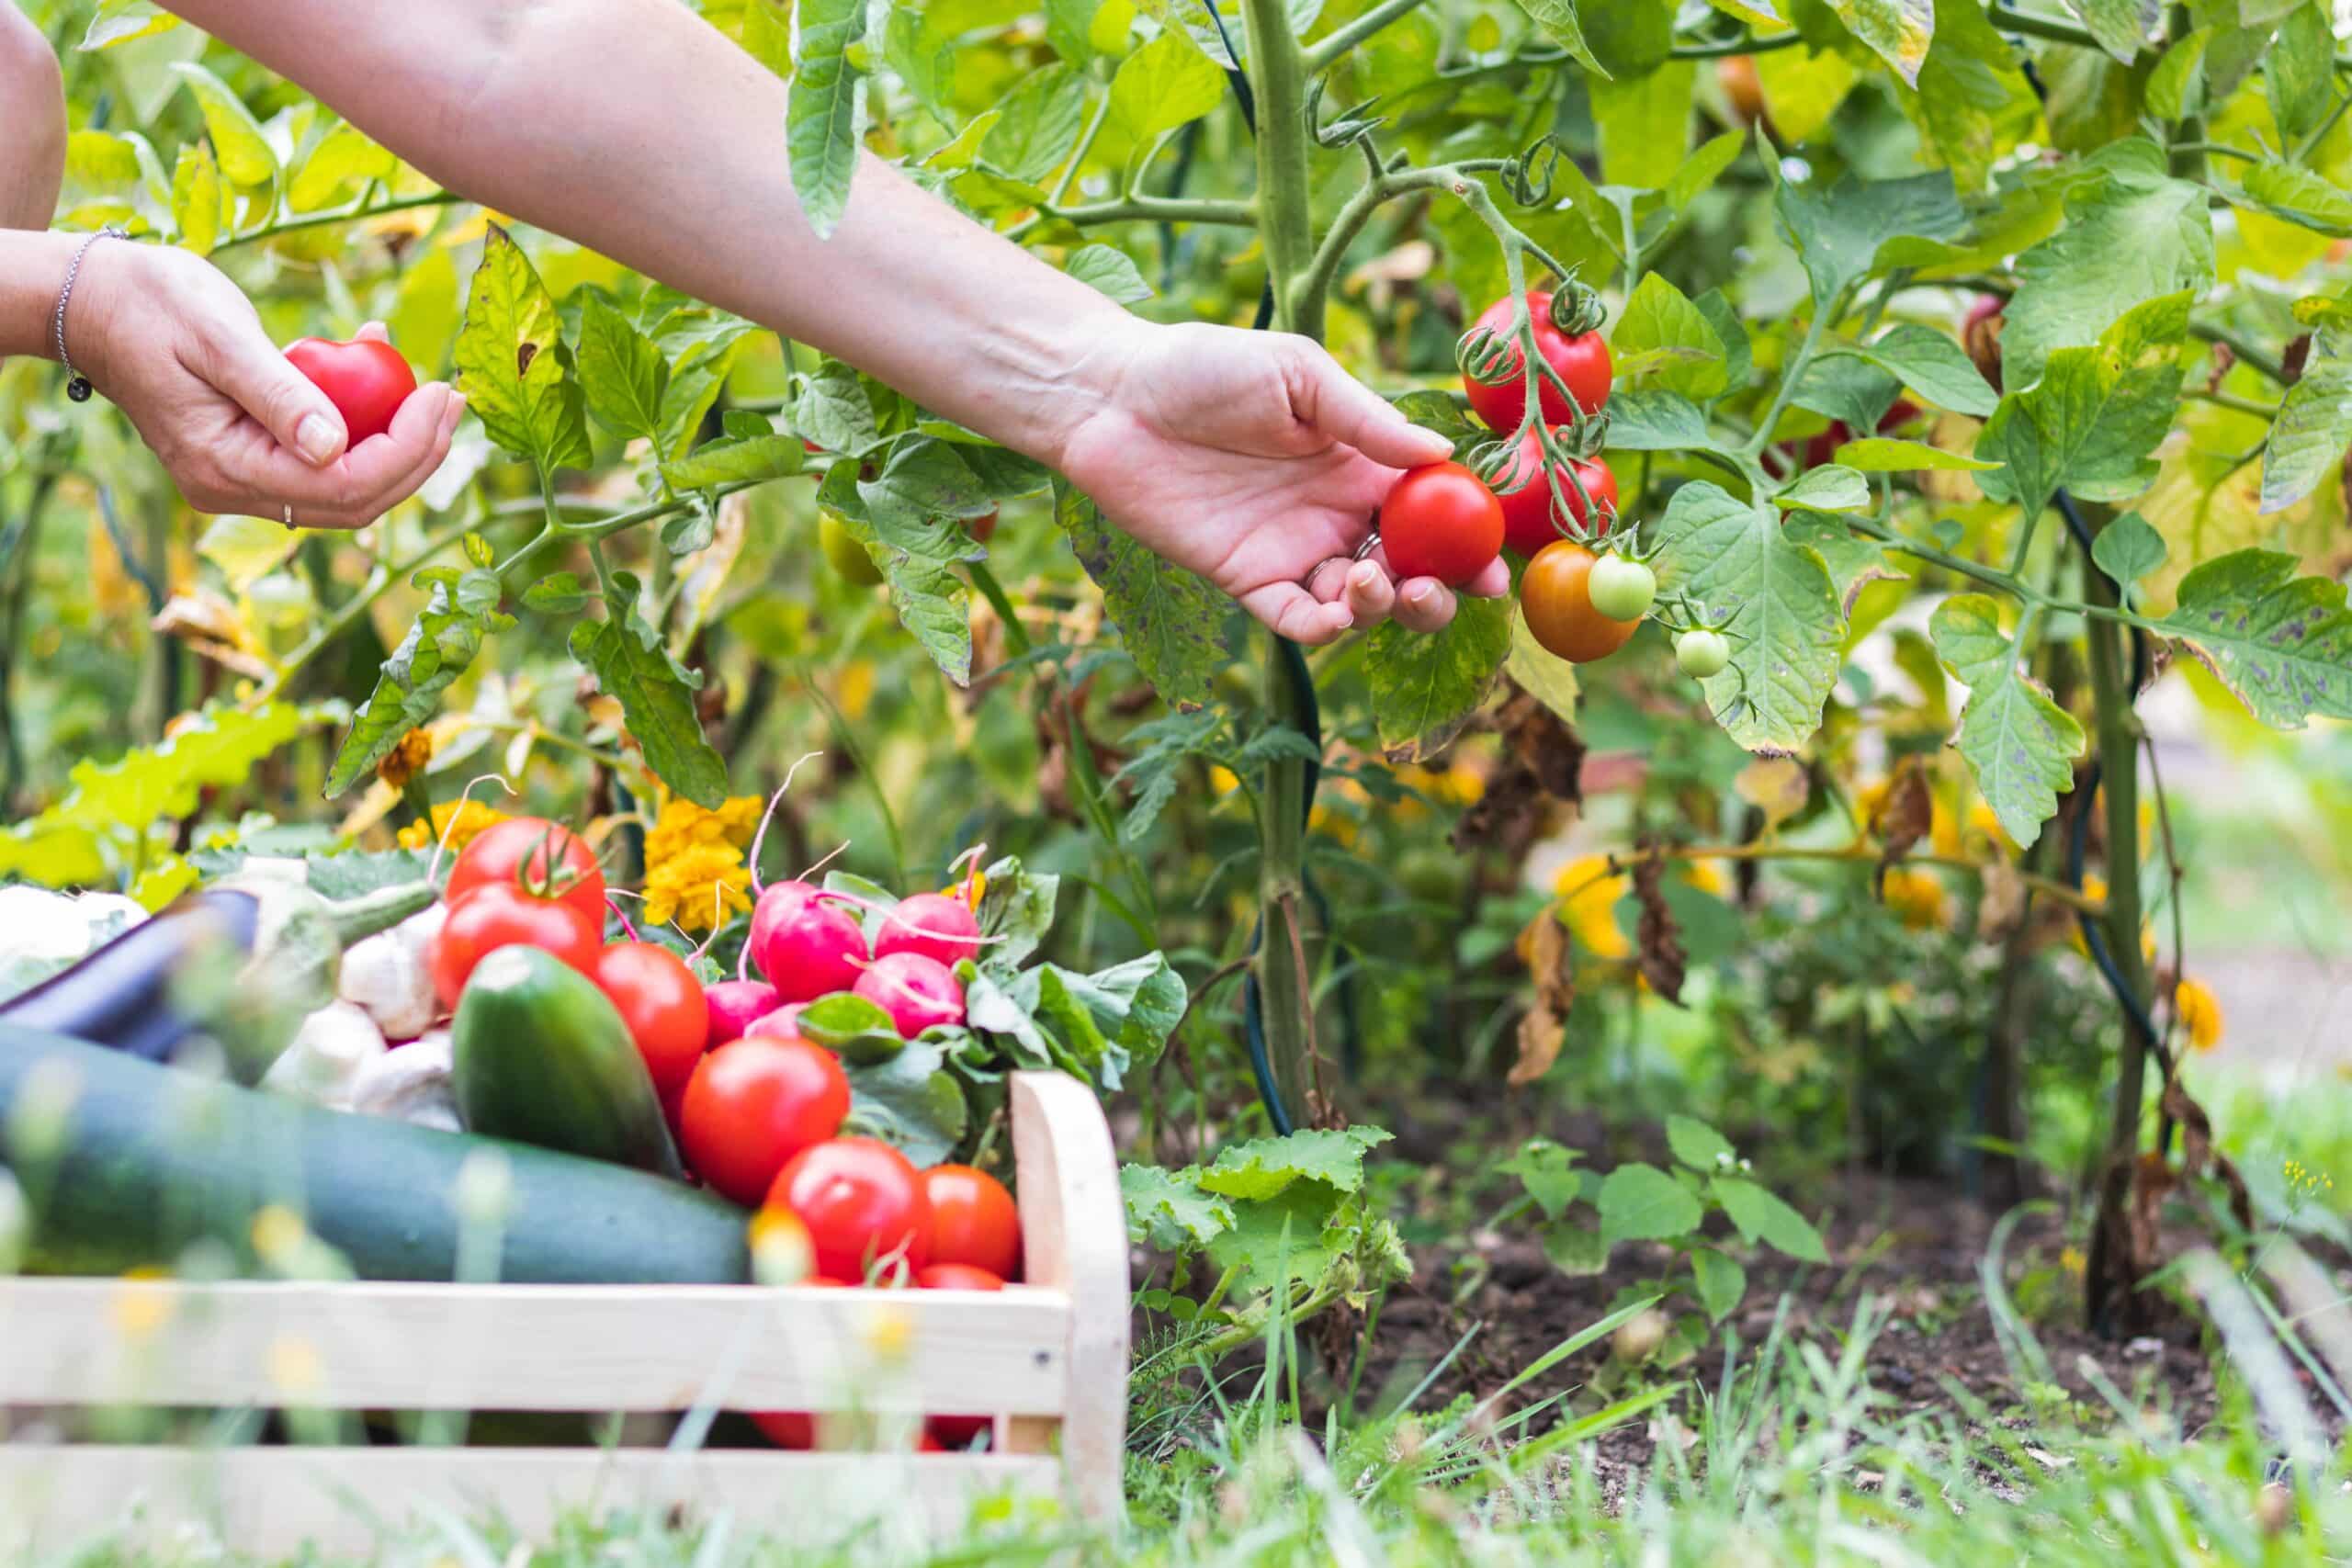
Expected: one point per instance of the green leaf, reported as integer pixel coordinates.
(557, 593)
(2313, 425)
(1167, 1212)
(2121, 26)
(1656, 422)
(1172, 623)
(1544, 676)
(245, 156)
(1166, 84)
(116, 22)
(1971, 104)
(1846, 388)
(834, 410)
(922, 494)
(657, 696)
(2092, 423)
(851, 1027)
(1761, 1217)
(510, 361)
(911, 1100)
(2128, 549)
(826, 100)
(1038, 123)
(1016, 911)
(1257, 1170)
(1425, 686)
(1899, 31)
(1697, 1145)
(1641, 1202)
(1108, 270)
(1854, 559)
(2298, 74)
(1548, 1172)
(621, 370)
(344, 159)
(1575, 1249)
(743, 459)
(1838, 230)
(1644, 120)
(2020, 745)
(2298, 195)
(1153, 774)
(1803, 87)
(1108, 1022)
(2132, 234)
(1558, 21)
(2177, 86)
(1931, 365)
(1721, 1283)
(1661, 338)
(199, 199)
(1785, 622)
(2282, 643)
(1829, 488)
(1886, 455)
(461, 610)
(930, 599)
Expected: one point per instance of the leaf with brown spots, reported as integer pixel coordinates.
(1543, 762)
(1662, 959)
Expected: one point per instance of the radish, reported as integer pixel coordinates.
(915, 990)
(780, 1023)
(735, 1007)
(932, 924)
(805, 945)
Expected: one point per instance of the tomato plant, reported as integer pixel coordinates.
(1579, 360)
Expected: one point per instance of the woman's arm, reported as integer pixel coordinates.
(634, 127)
(32, 142)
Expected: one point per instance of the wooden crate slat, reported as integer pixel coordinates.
(271, 1501)
(427, 1346)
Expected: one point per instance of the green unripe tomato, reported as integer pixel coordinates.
(847, 554)
(1701, 653)
(1621, 589)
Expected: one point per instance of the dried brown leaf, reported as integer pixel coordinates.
(1904, 815)
(2003, 904)
(1663, 962)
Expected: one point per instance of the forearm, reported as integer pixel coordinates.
(635, 127)
(32, 141)
(32, 271)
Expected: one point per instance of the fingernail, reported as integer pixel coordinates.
(317, 438)
(1364, 576)
(1347, 618)
(1420, 597)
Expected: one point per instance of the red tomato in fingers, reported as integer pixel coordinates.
(1527, 510)
(862, 1201)
(662, 1004)
(502, 915)
(753, 1104)
(545, 859)
(972, 1220)
(1440, 521)
(1582, 362)
(365, 381)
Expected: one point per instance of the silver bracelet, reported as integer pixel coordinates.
(77, 386)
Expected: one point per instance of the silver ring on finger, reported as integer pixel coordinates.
(1314, 578)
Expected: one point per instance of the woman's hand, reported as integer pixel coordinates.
(174, 344)
(1254, 460)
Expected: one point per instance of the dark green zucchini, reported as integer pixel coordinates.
(123, 1163)
(541, 1054)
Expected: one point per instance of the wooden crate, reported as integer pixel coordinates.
(1046, 1358)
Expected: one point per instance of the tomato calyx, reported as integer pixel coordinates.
(548, 871)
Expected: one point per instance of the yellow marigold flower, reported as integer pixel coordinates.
(1222, 779)
(694, 862)
(1588, 893)
(471, 817)
(1918, 898)
(2200, 1010)
(854, 688)
(1708, 877)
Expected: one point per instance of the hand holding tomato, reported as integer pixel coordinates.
(168, 338)
(1252, 459)
(366, 380)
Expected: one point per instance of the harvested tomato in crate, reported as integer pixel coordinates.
(1039, 1364)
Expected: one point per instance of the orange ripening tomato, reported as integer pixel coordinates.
(1555, 595)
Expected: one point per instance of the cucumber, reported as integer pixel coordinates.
(123, 1163)
(544, 1057)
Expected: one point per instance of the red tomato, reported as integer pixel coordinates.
(662, 1004)
(505, 916)
(795, 1429)
(1440, 521)
(972, 1220)
(1582, 362)
(753, 1104)
(958, 1277)
(367, 381)
(1527, 510)
(1555, 595)
(862, 1201)
(517, 851)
